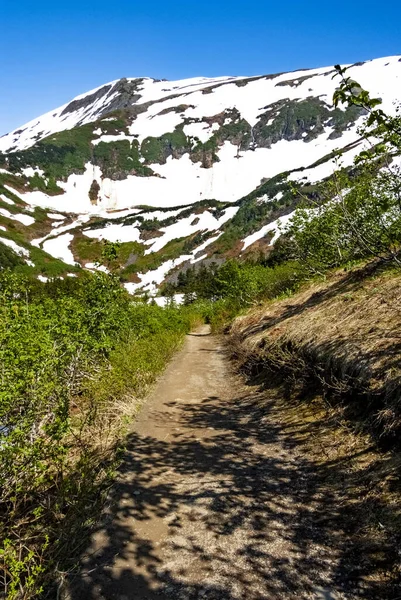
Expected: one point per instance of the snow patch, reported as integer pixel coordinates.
(113, 138)
(59, 248)
(17, 249)
(152, 279)
(6, 200)
(115, 233)
(164, 301)
(96, 267)
(275, 226)
(30, 171)
(203, 131)
(24, 219)
(56, 217)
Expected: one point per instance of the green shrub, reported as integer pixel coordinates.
(75, 356)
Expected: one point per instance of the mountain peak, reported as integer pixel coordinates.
(209, 157)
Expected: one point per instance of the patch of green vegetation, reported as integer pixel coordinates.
(11, 208)
(196, 240)
(342, 119)
(14, 181)
(211, 145)
(6, 223)
(71, 352)
(128, 249)
(102, 223)
(270, 187)
(157, 150)
(41, 226)
(114, 123)
(238, 132)
(254, 213)
(78, 138)
(15, 232)
(46, 185)
(44, 264)
(58, 155)
(294, 82)
(290, 120)
(8, 258)
(119, 159)
(40, 214)
(86, 249)
(180, 108)
(150, 224)
(304, 119)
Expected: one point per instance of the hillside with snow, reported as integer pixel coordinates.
(179, 172)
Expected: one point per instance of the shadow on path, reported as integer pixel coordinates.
(228, 507)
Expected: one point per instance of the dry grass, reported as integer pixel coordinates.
(362, 487)
(345, 333)
(331, 354)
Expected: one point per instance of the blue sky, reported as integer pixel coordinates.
(52, 51)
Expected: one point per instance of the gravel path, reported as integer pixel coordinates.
(214, 499)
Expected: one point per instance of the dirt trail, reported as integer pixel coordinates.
(214, 499)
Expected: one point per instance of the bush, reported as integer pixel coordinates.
(361, 215)
(75, 354)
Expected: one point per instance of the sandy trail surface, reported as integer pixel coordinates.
(214, 499)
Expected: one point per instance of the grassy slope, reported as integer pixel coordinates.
(345, 330)
(331, 356)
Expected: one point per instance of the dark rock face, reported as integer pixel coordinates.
(94, 192)
(87, 101)
(127, 95)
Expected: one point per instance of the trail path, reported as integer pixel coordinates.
(213, 501)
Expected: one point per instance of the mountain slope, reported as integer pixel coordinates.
(180, 171)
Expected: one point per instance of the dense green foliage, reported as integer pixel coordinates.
(302, 119)
(359, 213)
(118, 159)
(219, 293)
(157, 150)
(74, 356)
(66, 152)
(8, 258)
(362, 221)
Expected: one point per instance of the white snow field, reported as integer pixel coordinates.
(276, 227)
(199, 106)
(179, 181)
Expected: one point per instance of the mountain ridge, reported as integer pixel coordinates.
(179, 172)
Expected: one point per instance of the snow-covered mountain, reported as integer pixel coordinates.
(210, 159)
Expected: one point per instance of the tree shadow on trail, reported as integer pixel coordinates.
(249, 485)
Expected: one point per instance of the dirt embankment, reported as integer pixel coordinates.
(331, 355)
(343, 335)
